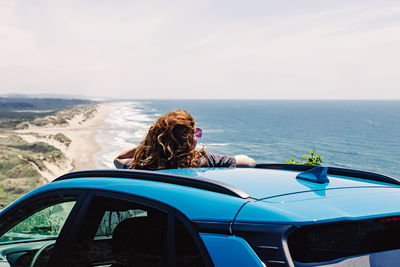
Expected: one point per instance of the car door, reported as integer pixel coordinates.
(124, 230)
(30, 230)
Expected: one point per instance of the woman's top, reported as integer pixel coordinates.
(216, 160)
(211, 160)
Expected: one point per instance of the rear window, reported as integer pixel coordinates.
(325, 242)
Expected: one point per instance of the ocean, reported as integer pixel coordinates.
(362, 135)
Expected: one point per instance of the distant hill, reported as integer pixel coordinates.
(13, 103)
(55, 96)
(14, 110)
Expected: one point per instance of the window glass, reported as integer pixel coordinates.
(117, 232)
(43, 224)
(120, 233)
(112, 218)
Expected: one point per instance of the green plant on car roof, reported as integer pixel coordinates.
(310, 159)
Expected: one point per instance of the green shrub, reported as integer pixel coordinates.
(62, 139)
(310, 159)
(37, 147)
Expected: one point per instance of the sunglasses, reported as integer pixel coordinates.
(198, 132)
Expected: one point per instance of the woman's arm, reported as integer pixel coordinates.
(244, 161)
(123, 157)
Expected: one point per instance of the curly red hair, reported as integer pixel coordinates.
(169, 144)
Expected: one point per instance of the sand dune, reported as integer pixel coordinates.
(79, 152)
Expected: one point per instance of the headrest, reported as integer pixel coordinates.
(140, 234)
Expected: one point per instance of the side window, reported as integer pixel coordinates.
(112, 218)
(117, 232)
(120, 233)
(35, 227)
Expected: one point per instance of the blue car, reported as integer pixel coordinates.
(270, 215)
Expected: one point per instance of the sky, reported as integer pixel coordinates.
(224, 49)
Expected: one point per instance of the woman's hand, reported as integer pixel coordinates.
(244, 161)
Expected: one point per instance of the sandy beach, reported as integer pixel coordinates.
(79, 153)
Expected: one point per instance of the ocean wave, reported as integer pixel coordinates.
(218, 144)
(214, 131)
(128, 124)
(343, 152)
(373, 122)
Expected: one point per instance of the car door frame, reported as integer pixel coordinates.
(60, 257)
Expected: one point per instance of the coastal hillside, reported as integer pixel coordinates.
(29, 156)
(14, 111)
(25, 166)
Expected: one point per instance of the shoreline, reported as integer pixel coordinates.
(82, 146)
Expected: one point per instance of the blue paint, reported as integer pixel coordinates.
(332, 205)
(261, 183)
(228, 250)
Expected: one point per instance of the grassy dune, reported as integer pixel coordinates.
(22, 164)
(61, 118)
(17, 174)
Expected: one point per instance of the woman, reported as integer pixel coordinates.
(170, 144)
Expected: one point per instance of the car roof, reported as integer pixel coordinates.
(284, 198)
(260, 183)
(260, 194)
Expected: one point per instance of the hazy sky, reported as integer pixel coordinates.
(331, 49)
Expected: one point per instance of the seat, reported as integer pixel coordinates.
(139, 241)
